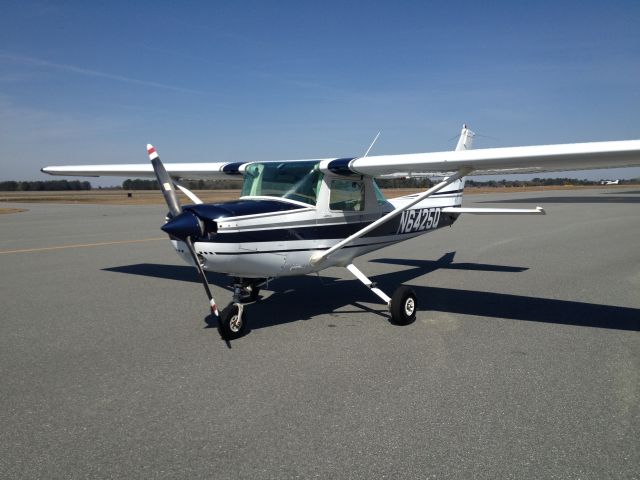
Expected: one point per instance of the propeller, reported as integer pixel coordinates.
(182, 225)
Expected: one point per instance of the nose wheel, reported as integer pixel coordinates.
(233, 321)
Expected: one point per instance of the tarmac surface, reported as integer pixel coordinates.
(524, 361)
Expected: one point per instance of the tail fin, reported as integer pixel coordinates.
(464, 143)
(466, 139)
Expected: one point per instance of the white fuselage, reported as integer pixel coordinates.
(276, 244)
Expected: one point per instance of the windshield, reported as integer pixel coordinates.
(293, 180)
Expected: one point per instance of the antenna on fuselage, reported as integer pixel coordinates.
(371, 146)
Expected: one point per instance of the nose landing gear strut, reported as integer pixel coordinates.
(233, 319)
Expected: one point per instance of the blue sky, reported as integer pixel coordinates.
(89, 82)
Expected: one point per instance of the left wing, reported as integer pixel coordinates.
(185, 171)
(192, 171)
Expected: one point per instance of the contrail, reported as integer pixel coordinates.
(94, 73)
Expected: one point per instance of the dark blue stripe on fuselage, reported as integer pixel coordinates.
(289, 250)
(413, 195)
(240, 208)
(317, 232)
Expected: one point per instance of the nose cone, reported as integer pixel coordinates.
(184, 225)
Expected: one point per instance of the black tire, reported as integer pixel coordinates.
(231, 325)
(403, 306)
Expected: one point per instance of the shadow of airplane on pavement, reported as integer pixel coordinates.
(446, 262)
(291, 301)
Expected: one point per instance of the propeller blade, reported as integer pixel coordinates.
(180, 224)
(165, 181)
(203, 276)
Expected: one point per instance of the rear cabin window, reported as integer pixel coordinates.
(347, 195)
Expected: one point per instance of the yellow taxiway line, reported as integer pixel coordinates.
(81, 245)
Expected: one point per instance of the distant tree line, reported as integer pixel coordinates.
(138, 184)
(234, 184)
(536, 182)
(48, 185)
(422, 182)
(225, 184)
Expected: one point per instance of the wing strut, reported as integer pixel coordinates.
(364, 279)
(192, 196)
(321, 256)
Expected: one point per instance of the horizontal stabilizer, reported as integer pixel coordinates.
(496, 211)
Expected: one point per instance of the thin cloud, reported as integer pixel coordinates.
(94, 73)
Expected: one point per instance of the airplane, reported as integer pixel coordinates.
(298, 217)
(610, 182)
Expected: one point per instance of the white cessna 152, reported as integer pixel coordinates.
(301, 216)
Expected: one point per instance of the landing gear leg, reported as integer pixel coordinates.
(251, 288)
(402, 305)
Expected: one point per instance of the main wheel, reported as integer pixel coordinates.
(232, 323)
(403, 306)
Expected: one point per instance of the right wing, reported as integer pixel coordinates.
(487, 161)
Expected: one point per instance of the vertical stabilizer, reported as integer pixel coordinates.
(464, 143)
(466, 139)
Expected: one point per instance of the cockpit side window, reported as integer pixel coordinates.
(252, 185)
(347, 195)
